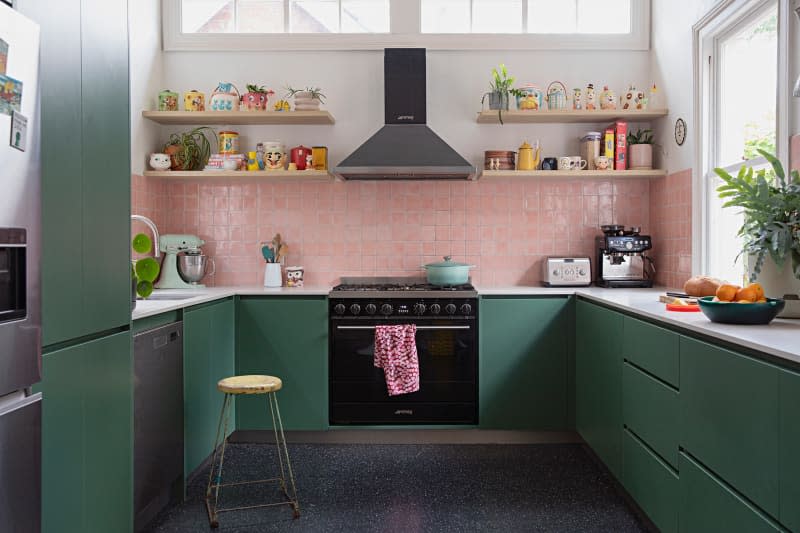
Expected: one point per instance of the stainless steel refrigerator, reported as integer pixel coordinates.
(20, 287)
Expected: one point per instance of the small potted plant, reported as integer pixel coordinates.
(501, 90)
(307, 99)
(189, 150)
(144, 271)
(770, 202)
(255, 99)
(640, 150)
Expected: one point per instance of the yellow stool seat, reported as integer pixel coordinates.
(249, 384)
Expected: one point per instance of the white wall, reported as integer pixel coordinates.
(144, 27)
(353, 83)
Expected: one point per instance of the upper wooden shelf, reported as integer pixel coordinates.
(303, 118)
(299, 175)
(559, 174)
(568, 116)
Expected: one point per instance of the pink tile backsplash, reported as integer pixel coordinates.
(671, 219)
(504, 227)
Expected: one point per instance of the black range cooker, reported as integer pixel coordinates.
(447, 344)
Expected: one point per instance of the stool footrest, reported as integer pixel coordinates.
(271, 480)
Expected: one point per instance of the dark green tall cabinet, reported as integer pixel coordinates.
(87, 418)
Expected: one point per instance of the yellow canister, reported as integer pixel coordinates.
(319, 157)
(194, 100)
(228, 142)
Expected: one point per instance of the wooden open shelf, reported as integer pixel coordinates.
(298, 175)
(240, 118)
(569, 116)
(559, 174)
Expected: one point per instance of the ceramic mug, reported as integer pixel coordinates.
(601, 162)
(549, 163)
(565, 163)
(578, 163)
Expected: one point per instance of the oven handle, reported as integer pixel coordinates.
(426, 328)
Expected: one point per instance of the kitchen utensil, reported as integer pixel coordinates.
(566, 272)
(272, 275)
(736, 313)
(225, 98)
(577, 162)
(621, 260)
(173, 247)
(297, 155)
(683, 308)
(193, 266)
(528, 156)
(549, 163)
(564, 163)
(268, 253)
(167, 100)
(282, 252)
(228, 142)
(447, 272)
(194, 100)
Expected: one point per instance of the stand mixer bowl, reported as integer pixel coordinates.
(192, 267)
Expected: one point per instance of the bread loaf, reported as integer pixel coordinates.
(701, 286)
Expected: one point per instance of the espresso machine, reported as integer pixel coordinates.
(184, 264)
(621, 258)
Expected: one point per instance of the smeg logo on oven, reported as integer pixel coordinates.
(404, 412)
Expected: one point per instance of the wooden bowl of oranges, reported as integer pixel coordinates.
(740, 305)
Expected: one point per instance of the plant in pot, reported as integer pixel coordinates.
(640, 150)
(307, 99)
(770, 203)
(256, 97)
(144, 271)
(501, 90)
(189, 150)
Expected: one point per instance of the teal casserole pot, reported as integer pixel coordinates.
(448, 272)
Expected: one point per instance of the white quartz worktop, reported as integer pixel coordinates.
(781, 338)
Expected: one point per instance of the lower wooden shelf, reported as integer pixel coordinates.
(557, 174)
(304, 175)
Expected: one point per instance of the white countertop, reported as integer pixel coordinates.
(781, 338)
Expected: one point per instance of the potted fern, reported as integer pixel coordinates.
(501, 90)
(640, 150)
(770, 202)
(190, 150)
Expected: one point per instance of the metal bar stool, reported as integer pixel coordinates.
(231, 386)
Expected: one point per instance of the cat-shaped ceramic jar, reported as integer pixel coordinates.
(160, 162)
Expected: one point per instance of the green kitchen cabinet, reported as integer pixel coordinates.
(790, 449)
(87, 437)
(653, 349)
(208, 356)
(598, 382)
(285, 337)
(729, 411)
(707, 504)
(651, 482)
(86, 171)
(524, 366)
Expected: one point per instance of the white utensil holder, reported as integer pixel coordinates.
(272, 275)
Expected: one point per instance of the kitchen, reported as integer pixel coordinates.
(598, 392)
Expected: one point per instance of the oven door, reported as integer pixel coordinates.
(448, 393)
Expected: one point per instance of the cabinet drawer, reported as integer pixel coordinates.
(790, 449)
(652, 411)
(708, 505)
(652, 348)
(651, 483)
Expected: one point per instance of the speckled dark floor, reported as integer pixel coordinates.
(422, 488)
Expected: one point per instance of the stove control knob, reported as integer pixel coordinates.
(466, 309)
(582, 272)
(629, 245)
(355, 309)
(419, 309)
(370, 308)
(386, 309)
(450, 309)
(436, 309)
(339, 309)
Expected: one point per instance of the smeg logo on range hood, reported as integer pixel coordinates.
(405, 117)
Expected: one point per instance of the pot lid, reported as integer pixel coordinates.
(525, 146)
(448, 262)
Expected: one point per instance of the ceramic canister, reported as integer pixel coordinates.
(274, 155)
(194, 100)
(167, 100)
(228, 142)
(298, 156)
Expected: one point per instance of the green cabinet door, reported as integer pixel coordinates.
(729, 410)
(598, 382)
(523, 376)
(790, 449)
(708, 505)
(87, 437)
(652, 349)
(651, 482)
(208, 356)
(85, 129)
(285, 337)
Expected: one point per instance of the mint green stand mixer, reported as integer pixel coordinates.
(185, 248)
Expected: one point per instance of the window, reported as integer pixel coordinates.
(433, 24)
(741, 92)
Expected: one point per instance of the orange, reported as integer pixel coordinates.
(748, 293)
(727, 293)
(761, 300)
(759, 290)
(744, 301)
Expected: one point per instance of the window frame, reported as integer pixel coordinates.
(722, 21)
(405, 31)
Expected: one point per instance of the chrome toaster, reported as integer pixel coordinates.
(566, 272)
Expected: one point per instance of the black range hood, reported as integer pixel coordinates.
(405, 148)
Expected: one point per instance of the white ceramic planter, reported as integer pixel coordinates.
(640, 156)
(303, 101)
(780, 284)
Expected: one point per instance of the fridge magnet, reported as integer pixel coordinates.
(3, 56)
(19, 131)
(10, 95)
